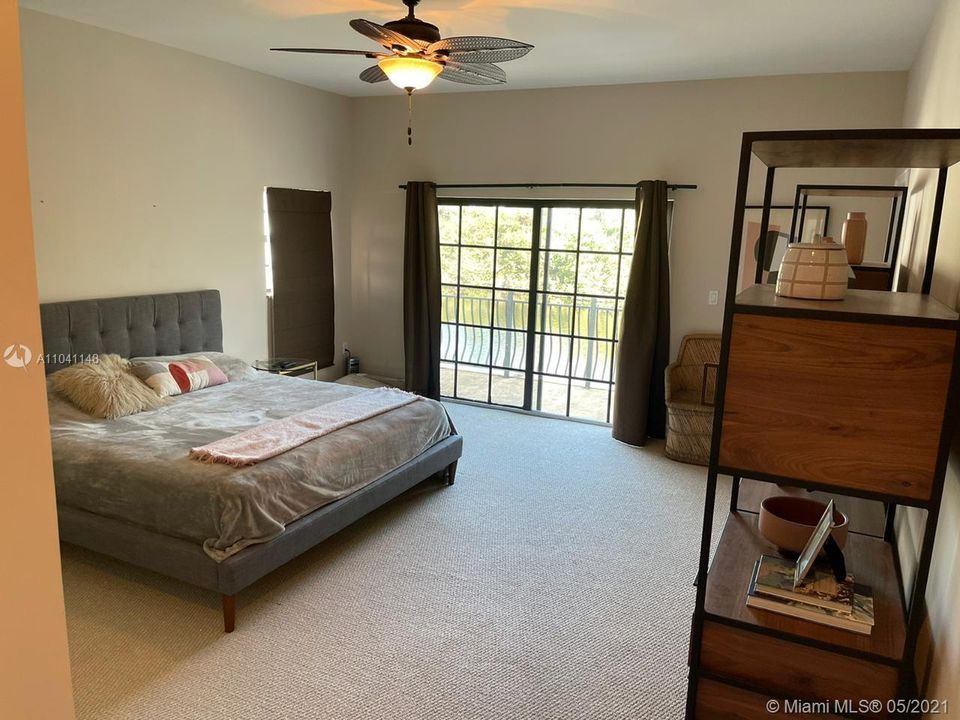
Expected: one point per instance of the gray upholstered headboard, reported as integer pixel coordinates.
(135, 326)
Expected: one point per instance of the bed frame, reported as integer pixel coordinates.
(170, 324)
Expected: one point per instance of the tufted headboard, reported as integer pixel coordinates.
(136, 326)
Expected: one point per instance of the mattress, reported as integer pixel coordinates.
(136, 469)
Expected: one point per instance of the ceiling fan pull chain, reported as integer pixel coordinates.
(409, 116)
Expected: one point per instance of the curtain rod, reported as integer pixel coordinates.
(553, 185)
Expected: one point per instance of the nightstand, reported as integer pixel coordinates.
(288, 366)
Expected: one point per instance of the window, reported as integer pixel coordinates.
(532, 295)
(301, 300)
(267, 255)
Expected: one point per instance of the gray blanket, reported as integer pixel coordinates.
(136, 468)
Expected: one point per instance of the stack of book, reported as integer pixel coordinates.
(819, 598)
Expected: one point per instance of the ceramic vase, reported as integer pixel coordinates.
(814, 271)
(854, 236)
(788, 521)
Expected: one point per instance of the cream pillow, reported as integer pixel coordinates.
(233, 367)
(105, 389)
(178, 377)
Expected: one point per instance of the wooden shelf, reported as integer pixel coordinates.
(719, 700)
(893, 148)
(858, 305)
(866, 517)
(839, 406)
(869, 559)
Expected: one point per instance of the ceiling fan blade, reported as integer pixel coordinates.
(489, 56)
(477, 49)
(473, 73)
(390, 39)
(324, 51)
(373, 75)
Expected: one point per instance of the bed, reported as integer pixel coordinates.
(126, 488)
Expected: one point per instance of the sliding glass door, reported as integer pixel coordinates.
(532, 294)
(486, 255)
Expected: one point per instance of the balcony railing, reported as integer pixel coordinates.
(576, 342)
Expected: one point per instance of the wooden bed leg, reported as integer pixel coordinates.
(452, 473)
(229, 613)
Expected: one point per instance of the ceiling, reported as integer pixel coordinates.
(578, 42)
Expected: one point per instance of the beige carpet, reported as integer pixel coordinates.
(552, 581)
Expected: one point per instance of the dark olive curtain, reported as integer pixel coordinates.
(421, 291)
(639, 409)
(301, 251)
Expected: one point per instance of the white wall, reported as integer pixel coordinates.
(148, 165)
(933, 100)
(686, 132)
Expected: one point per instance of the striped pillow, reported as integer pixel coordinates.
(182, 376)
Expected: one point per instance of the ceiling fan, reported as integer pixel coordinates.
(416, 54)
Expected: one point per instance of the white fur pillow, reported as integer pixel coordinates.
(106, 388)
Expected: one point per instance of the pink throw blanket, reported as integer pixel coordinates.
(265, 441)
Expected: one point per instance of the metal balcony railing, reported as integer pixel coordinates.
(571, 342)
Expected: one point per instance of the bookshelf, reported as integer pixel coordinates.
(853, 400)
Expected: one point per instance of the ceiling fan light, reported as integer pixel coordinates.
(410, 72)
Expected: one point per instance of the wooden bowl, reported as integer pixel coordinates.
(788, 521)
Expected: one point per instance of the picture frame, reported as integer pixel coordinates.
(813, 547)
(816, 222)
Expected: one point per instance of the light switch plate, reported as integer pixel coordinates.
(713, 297)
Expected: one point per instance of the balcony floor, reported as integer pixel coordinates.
(588, 403)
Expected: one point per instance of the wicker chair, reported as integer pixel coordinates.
(690, 387)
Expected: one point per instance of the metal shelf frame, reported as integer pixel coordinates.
(894, 148)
